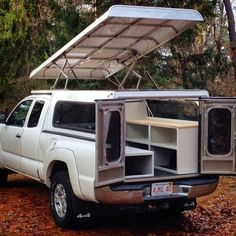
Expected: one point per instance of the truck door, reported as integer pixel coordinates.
(218, 136)
(11, 135)
(30, 138)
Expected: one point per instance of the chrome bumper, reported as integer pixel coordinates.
(108, 196)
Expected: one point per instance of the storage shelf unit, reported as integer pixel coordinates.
(221, 165)
(173, 142)
(137, 133)
(164, 137)
(138, 163)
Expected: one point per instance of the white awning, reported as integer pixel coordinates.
(115, 40)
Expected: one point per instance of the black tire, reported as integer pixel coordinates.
(62, 198)
(74, 209)
(3, 178)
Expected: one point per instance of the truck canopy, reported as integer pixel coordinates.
(116, 40)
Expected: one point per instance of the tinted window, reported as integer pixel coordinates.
(219, 131)
(35, 114)
(75, 116)
(18, 116)
(183, 110)
(113, 141)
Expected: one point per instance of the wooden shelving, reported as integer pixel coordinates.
(163, 137)
(138, 163)
(173, 142)
(137, 133)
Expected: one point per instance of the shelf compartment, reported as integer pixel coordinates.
(165, 159)
(134, 144)
(138, 163)
(164, 136)
(137, 133)
(165, 145)
(217, 165)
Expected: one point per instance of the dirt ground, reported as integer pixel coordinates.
(24, 210)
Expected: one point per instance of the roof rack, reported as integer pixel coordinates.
(41, 92)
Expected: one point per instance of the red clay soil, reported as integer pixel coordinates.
(24, 210)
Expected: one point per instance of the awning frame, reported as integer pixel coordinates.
(116, 40)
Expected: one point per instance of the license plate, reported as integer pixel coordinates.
(161, 189)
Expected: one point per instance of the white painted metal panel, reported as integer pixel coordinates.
(115, 40)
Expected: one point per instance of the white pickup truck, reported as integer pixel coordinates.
(121, 147)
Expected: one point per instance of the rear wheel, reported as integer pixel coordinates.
(66, 208)
(61, 196)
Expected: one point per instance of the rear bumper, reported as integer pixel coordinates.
(130, 194)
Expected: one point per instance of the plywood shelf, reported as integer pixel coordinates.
(165, 123)
(166, 169)
(165, 145)
(171, 140)
(138, 140)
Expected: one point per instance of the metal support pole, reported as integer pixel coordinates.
(66, 83)
(76, 78)
(149, 76)
(60, 73)
(126, 76)
(138, 76)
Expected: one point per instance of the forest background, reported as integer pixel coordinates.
(203, 57)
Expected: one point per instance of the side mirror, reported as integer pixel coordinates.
(2, 117)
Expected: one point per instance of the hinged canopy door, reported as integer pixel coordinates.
(115, 41)
(218, 136)
(110, 142)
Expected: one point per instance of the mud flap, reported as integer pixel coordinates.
(85, 212)
(177, 205)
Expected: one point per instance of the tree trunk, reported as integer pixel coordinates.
(232, 35)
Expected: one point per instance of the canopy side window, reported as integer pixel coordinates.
(78, 116)
(219, 131)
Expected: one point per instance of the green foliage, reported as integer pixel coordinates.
(10, 35)
(193, 58)
(67, 20)
(32, 30)
(22, 38)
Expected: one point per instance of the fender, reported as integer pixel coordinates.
(59, 154)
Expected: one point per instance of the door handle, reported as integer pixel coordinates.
(18, 136)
